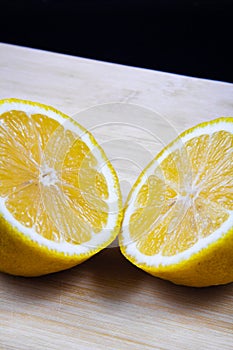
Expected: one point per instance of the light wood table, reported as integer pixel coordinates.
(107, 303)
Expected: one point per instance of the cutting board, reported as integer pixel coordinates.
(107, 303)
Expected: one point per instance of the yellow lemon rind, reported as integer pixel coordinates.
(22, 256)
(201, 269)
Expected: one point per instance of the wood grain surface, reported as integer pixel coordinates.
(107, 303)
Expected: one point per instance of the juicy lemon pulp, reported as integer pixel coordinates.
(188, 196)
(49, 178)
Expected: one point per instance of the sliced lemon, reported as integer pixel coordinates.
(178, 221)
(60, 199)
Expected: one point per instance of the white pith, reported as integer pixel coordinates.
(48, 177)
(158, 259)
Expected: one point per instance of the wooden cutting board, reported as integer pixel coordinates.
(107, 303)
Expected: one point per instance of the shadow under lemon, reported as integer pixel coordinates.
(109, 276)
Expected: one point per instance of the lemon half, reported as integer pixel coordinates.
(178, 220)
(60, 200)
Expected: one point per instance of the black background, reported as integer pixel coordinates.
(185, 37)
